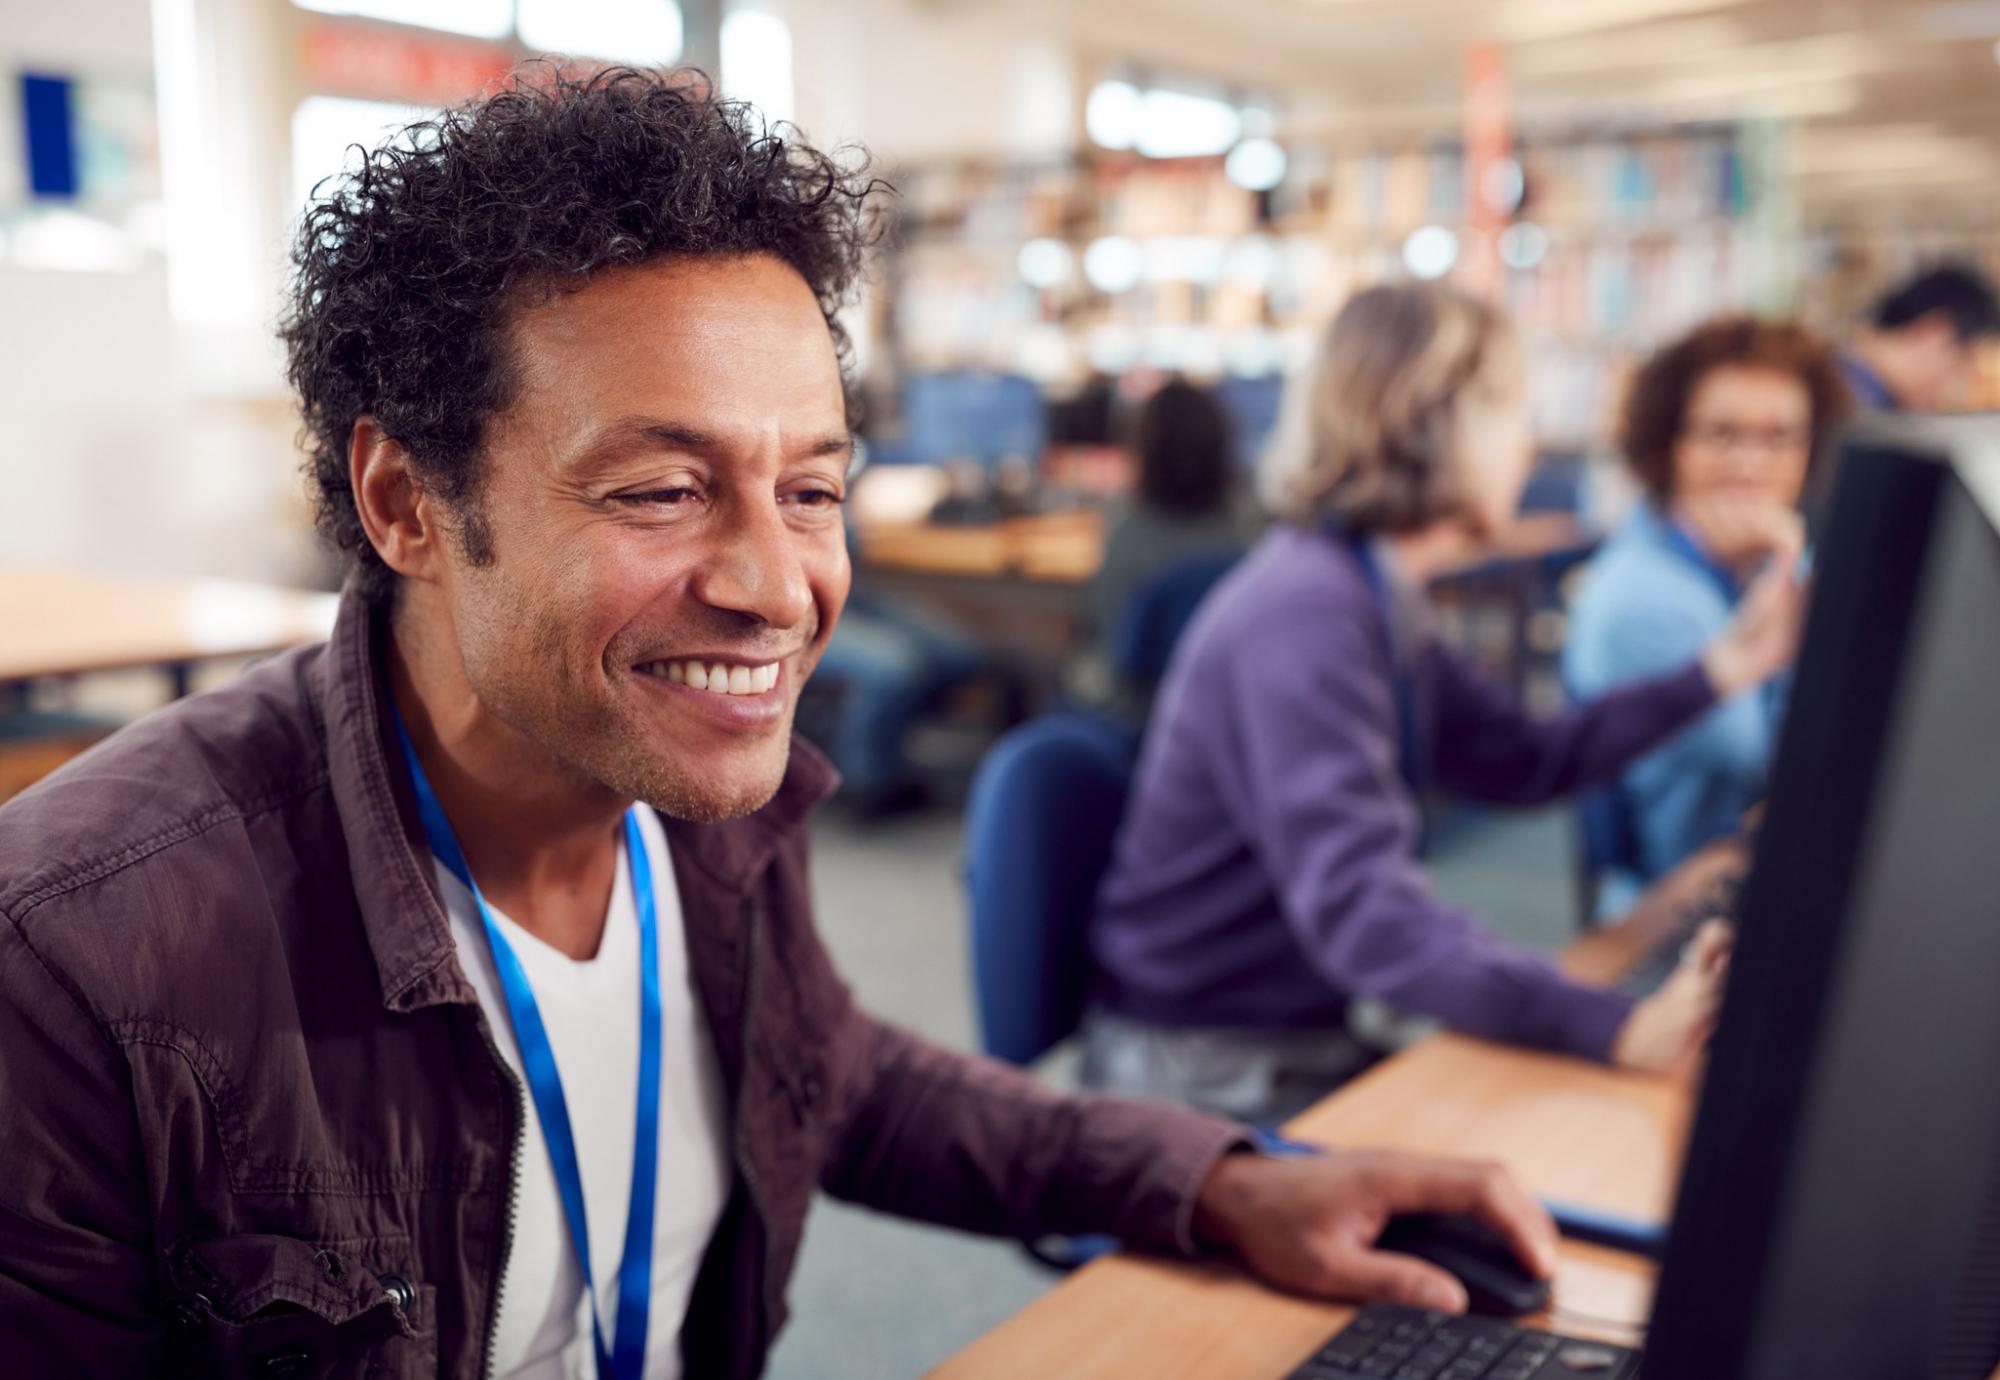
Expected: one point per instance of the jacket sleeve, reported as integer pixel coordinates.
(77, 1287)
(1489, 747)
(1324, 806)
(972, 1143)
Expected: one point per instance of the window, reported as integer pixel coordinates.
(757, 61)
(324, 129)
(644, 33)
(479, 18)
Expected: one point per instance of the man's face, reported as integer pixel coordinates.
(1942, 365)
(663, 499)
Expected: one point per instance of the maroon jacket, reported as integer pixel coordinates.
(252, 1119)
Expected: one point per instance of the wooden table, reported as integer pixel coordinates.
(62, 623)
(1064, 547)
(1572, 1130)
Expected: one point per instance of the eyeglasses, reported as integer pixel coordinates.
(1730, 436)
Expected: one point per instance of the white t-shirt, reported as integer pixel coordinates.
(591, 1011)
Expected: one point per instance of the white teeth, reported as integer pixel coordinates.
(715, 677)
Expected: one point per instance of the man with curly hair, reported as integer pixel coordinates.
(444, 1000)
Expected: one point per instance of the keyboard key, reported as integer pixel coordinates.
(1387, 1342)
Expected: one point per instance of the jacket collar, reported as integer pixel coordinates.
(389, 862)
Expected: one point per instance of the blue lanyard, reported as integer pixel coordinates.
(538, 1058)
(1400, 686)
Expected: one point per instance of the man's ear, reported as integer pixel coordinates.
(400, 518)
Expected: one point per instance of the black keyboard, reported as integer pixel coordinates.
(1388, 1342)
(1722, 899)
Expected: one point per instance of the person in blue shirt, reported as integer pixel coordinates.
(1723, 429)
(1919, 352)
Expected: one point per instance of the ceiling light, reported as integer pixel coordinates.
(1113, 264)
(1430, 252)
(1256, 165)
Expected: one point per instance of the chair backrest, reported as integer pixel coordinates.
(1604, 821)
(1039, 826)
(1159, 613)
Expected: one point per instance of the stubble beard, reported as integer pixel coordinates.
(581, 729)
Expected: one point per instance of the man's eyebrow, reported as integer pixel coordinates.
(632, 433)
(839, 443)
(635, 433)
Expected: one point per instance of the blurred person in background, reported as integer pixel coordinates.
(1266, 871)
(1723, 428)
(1185, 504)
(1920, 350)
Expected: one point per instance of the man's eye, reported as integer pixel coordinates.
(660, 497)
(816, 498)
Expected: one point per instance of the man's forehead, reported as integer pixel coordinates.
(701, 343)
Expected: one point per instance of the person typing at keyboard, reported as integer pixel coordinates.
(445, 999)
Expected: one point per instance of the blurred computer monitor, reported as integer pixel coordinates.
(1252, 404)
(1840, 1211)
(965, 415)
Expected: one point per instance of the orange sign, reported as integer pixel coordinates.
(1489, 140)
(384, 64)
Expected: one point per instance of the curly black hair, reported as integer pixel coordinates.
(408, 266)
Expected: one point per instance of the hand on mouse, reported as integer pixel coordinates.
(1310, 1225)
(1666, 1032)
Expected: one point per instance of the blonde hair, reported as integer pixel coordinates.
(1372, 433)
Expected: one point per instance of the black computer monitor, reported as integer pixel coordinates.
(1839, 1215)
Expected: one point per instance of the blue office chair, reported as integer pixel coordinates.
(1039, 825)
(1159, 613)
(1607, 842)
(1044, 807)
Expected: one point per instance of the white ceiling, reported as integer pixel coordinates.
(1891, 97)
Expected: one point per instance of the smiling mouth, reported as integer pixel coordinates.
(715, 677)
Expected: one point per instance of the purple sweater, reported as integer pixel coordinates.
(1266, 869)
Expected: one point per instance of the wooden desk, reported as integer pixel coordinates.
(62, 622)
(1572, 1130)
(1065, 547)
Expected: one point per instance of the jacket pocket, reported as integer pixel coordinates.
(282, 1308)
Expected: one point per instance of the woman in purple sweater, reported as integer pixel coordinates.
(1266, 872)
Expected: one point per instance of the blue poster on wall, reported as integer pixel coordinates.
(48, 123)
(79, 170)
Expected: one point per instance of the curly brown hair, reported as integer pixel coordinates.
(409, 265)
(1656, 405)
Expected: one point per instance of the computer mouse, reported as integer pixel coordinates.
(1497, 1284)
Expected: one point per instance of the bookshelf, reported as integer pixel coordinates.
(1633, 235)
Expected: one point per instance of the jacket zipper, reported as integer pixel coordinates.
(518, 1110)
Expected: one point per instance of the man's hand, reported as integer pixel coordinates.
(1310, 1225)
